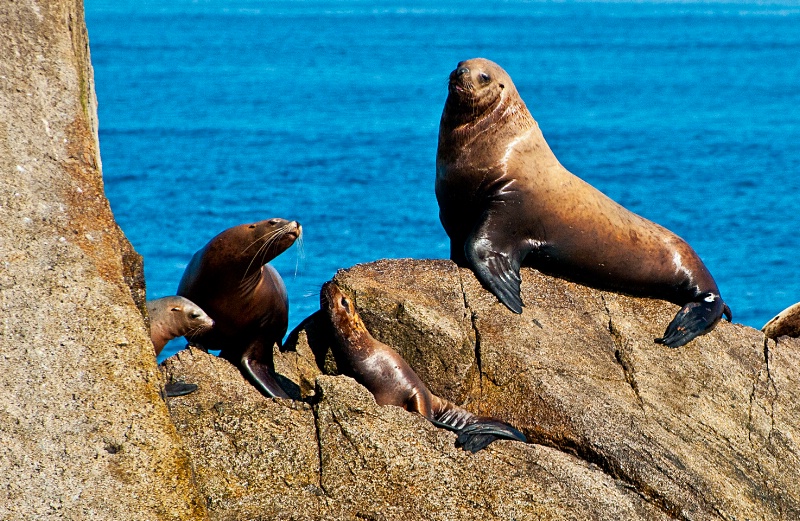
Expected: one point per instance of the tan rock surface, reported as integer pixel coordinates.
(347, 458)
(84, 433)
(623, 428)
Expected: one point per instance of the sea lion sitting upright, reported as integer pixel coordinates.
(504, 198)
(391, 380)
(230, 278)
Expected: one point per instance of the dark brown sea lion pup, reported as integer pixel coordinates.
(392, 381)
(230, 279)
(785, 323)
(171, 317)
(504, 198)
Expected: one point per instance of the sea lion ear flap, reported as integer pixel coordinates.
(496, 265)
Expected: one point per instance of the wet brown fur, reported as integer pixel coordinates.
(230, 279)
(500, 187)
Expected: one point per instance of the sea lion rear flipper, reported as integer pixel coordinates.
(260, 374)
(694, 319)
(474, 432)
(496, 265)
(479, 435)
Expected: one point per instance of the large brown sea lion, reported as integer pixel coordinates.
(391, 380)
(230, 279)
(504, 198)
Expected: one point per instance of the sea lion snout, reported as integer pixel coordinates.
(296, 231)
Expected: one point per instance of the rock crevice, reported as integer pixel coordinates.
(564, 373)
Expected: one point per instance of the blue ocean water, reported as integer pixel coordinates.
(215, 113)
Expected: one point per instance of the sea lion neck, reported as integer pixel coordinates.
(460, 124)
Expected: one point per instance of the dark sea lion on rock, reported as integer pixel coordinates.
(785, 323)
(230, 279)
(391, 380)
(504, 198)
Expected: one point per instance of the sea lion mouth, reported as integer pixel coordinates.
(328, 294)
(458, 84)
(296, 232)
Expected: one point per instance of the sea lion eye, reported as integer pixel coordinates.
(175, 309)
(484, 77)
(252, 226)
(194, 315)
(345, 304)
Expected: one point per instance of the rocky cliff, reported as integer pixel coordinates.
(84, 432)
(621, 428)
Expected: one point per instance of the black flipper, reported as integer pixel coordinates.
(496, 264)
(694, 319)
(179, 389)
(260, 374)
(479, 435)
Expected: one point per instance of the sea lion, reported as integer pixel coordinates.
(174, 316)
(391, 380)
(230, 278)
(504, 198)
(171, 317)
(785, 323)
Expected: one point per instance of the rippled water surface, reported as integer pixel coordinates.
(216, 113)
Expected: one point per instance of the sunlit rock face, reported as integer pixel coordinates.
(84, 432)
(620, 427)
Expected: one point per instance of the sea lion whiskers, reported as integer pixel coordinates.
(198, 329)
(300, 254)
(271, 238)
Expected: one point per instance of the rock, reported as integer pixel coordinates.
(84, 432)
(785, 323)
(622, 428)
(347, 458)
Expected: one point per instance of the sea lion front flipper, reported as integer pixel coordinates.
(259, 373)
(694, 319)
(179, 389)
(495, 263)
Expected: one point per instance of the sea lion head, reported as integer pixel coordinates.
(476, 88)
(252, 245)
(273, 236)
(481, 97)
(341, 312)
(196, 319)
(174, 316)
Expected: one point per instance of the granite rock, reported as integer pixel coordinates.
(84, 432)
(620, 427)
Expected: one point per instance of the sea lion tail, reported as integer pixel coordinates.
(694, 319)
(479, 435)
